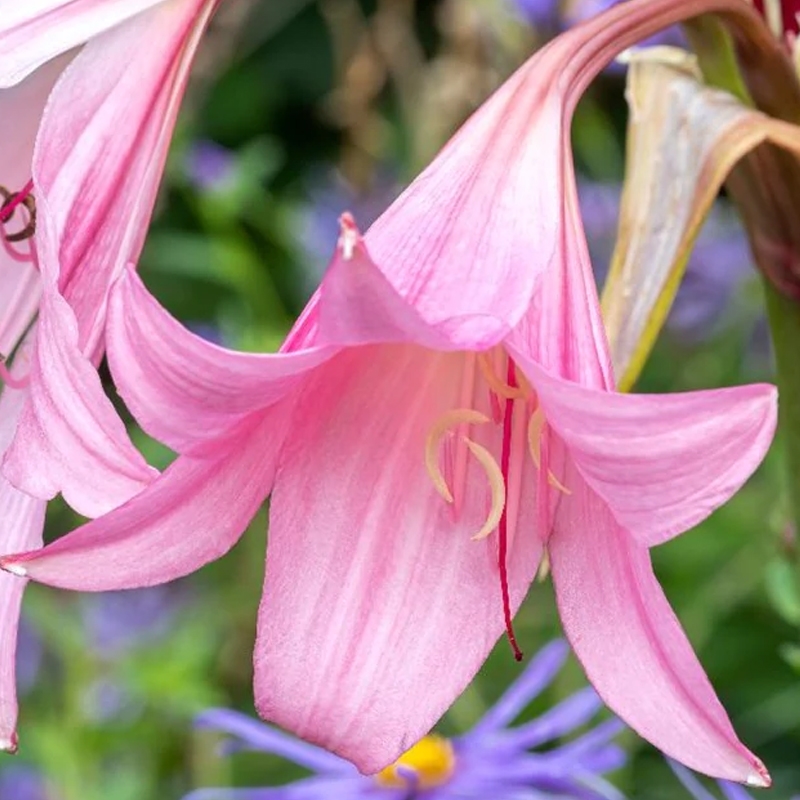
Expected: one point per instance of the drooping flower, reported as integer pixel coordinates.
(440, 419)
(88, 97)
(493, 760)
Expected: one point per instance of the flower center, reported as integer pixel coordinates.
(512, 401)
(429, 763)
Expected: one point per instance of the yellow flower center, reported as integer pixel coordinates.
(431, 760)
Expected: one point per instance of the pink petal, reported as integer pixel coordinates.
(662, 463)
(467, 241)
(21, 524)
(34, 31)
(98, 161)
(631, 644)
(357, 304)
(101, 151)
(21, 110)
(563, 330)
(69, 437)
(378, 608)
(182, 389)
(194, 513)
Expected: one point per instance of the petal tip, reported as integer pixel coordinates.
(349, 236)
(15, 568)
(10, 745)
(760, 779)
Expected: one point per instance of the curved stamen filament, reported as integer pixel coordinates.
(497, 485)
(535, 428)
(448, 420)
(498, 386)
(556, 483)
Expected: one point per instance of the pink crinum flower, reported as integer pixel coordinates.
(89, 92)
(441, 417)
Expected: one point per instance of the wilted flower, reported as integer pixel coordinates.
(530, 761)
(718, 266)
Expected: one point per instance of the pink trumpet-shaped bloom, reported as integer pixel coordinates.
(441, 417)
(89, 91)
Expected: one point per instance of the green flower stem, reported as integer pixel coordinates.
(784, 321)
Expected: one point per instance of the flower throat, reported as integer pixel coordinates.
(514, 394)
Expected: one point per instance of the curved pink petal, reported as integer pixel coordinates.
(34, 31)
(662, 463)
(563, 330)
(21, 524)
(98, 161)
(194, 513)
(466, 242)
(69, 437)
(631, 645)
(357, 304)
(378, 607)
(21, 110)
(182, 389)
(101, 150)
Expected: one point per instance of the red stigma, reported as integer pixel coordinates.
(502, 528)
(10, 206)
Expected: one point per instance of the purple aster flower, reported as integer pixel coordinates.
(209, 166)
(542, 14)
(118, 621)
(19, 782)
(29, 657)
(529, 761)
(553, 16)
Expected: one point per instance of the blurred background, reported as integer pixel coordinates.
(299, 110)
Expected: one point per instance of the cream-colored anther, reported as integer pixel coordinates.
(544, 566)
(448, 420)
(496, 484)
(498, 386)
(556, 483)
(535, 427)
